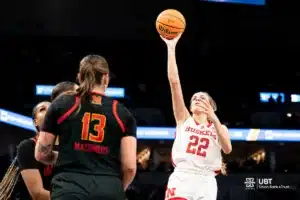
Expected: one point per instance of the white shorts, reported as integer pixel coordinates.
(191, 186)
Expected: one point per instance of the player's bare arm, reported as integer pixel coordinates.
(224, 138)
(222, 131)
(180, 111)
(44, 149)
(34, 184)
(128, 160)
(30, 171)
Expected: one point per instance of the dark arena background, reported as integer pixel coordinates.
(245, 54)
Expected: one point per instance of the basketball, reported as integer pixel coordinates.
(170, 23)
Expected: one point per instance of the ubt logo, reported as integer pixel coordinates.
(265, 181)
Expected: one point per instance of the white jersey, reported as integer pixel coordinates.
(196, 148)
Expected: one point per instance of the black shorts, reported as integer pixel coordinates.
(74, 186)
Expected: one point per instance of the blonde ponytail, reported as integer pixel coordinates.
(9, 180)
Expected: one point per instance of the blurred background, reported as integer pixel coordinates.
(244, 53)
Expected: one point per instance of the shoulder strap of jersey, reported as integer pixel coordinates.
(116, 115)
(69, 111)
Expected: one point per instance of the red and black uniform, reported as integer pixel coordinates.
(26, 160)
(90, 132)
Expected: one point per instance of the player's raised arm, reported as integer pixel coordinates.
(180, 111)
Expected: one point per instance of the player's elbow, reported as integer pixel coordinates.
(128, 155)
(37, 194)
(227, 149)
(128, 174)
(39, 157)
(129, 170)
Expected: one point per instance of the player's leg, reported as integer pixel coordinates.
(69, 197)
(68, 186)
(211, 189)
(214, 189)
(67, 192)
(177, 188)
(106, 188)
(105, 198)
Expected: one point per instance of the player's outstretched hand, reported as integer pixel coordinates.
(207, 108)
(171, 43)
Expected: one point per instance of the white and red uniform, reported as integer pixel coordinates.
(196, 156)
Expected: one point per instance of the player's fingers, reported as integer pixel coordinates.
(205, 111)
(205, 102)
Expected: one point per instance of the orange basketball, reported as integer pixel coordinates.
(170, 23)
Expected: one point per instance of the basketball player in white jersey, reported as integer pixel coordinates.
(200, 138)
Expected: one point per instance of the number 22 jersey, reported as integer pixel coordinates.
(196, 148)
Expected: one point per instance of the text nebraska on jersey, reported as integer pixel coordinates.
(205, 132)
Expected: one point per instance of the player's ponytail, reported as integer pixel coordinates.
(91, 71)
(9, 180)
(87, 84)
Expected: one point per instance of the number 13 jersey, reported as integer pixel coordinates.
(196, 148)
(90, 133)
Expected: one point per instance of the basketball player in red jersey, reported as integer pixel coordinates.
(200, 138)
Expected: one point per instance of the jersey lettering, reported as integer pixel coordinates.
(197, 145)
(98, 128)
(170, 192)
